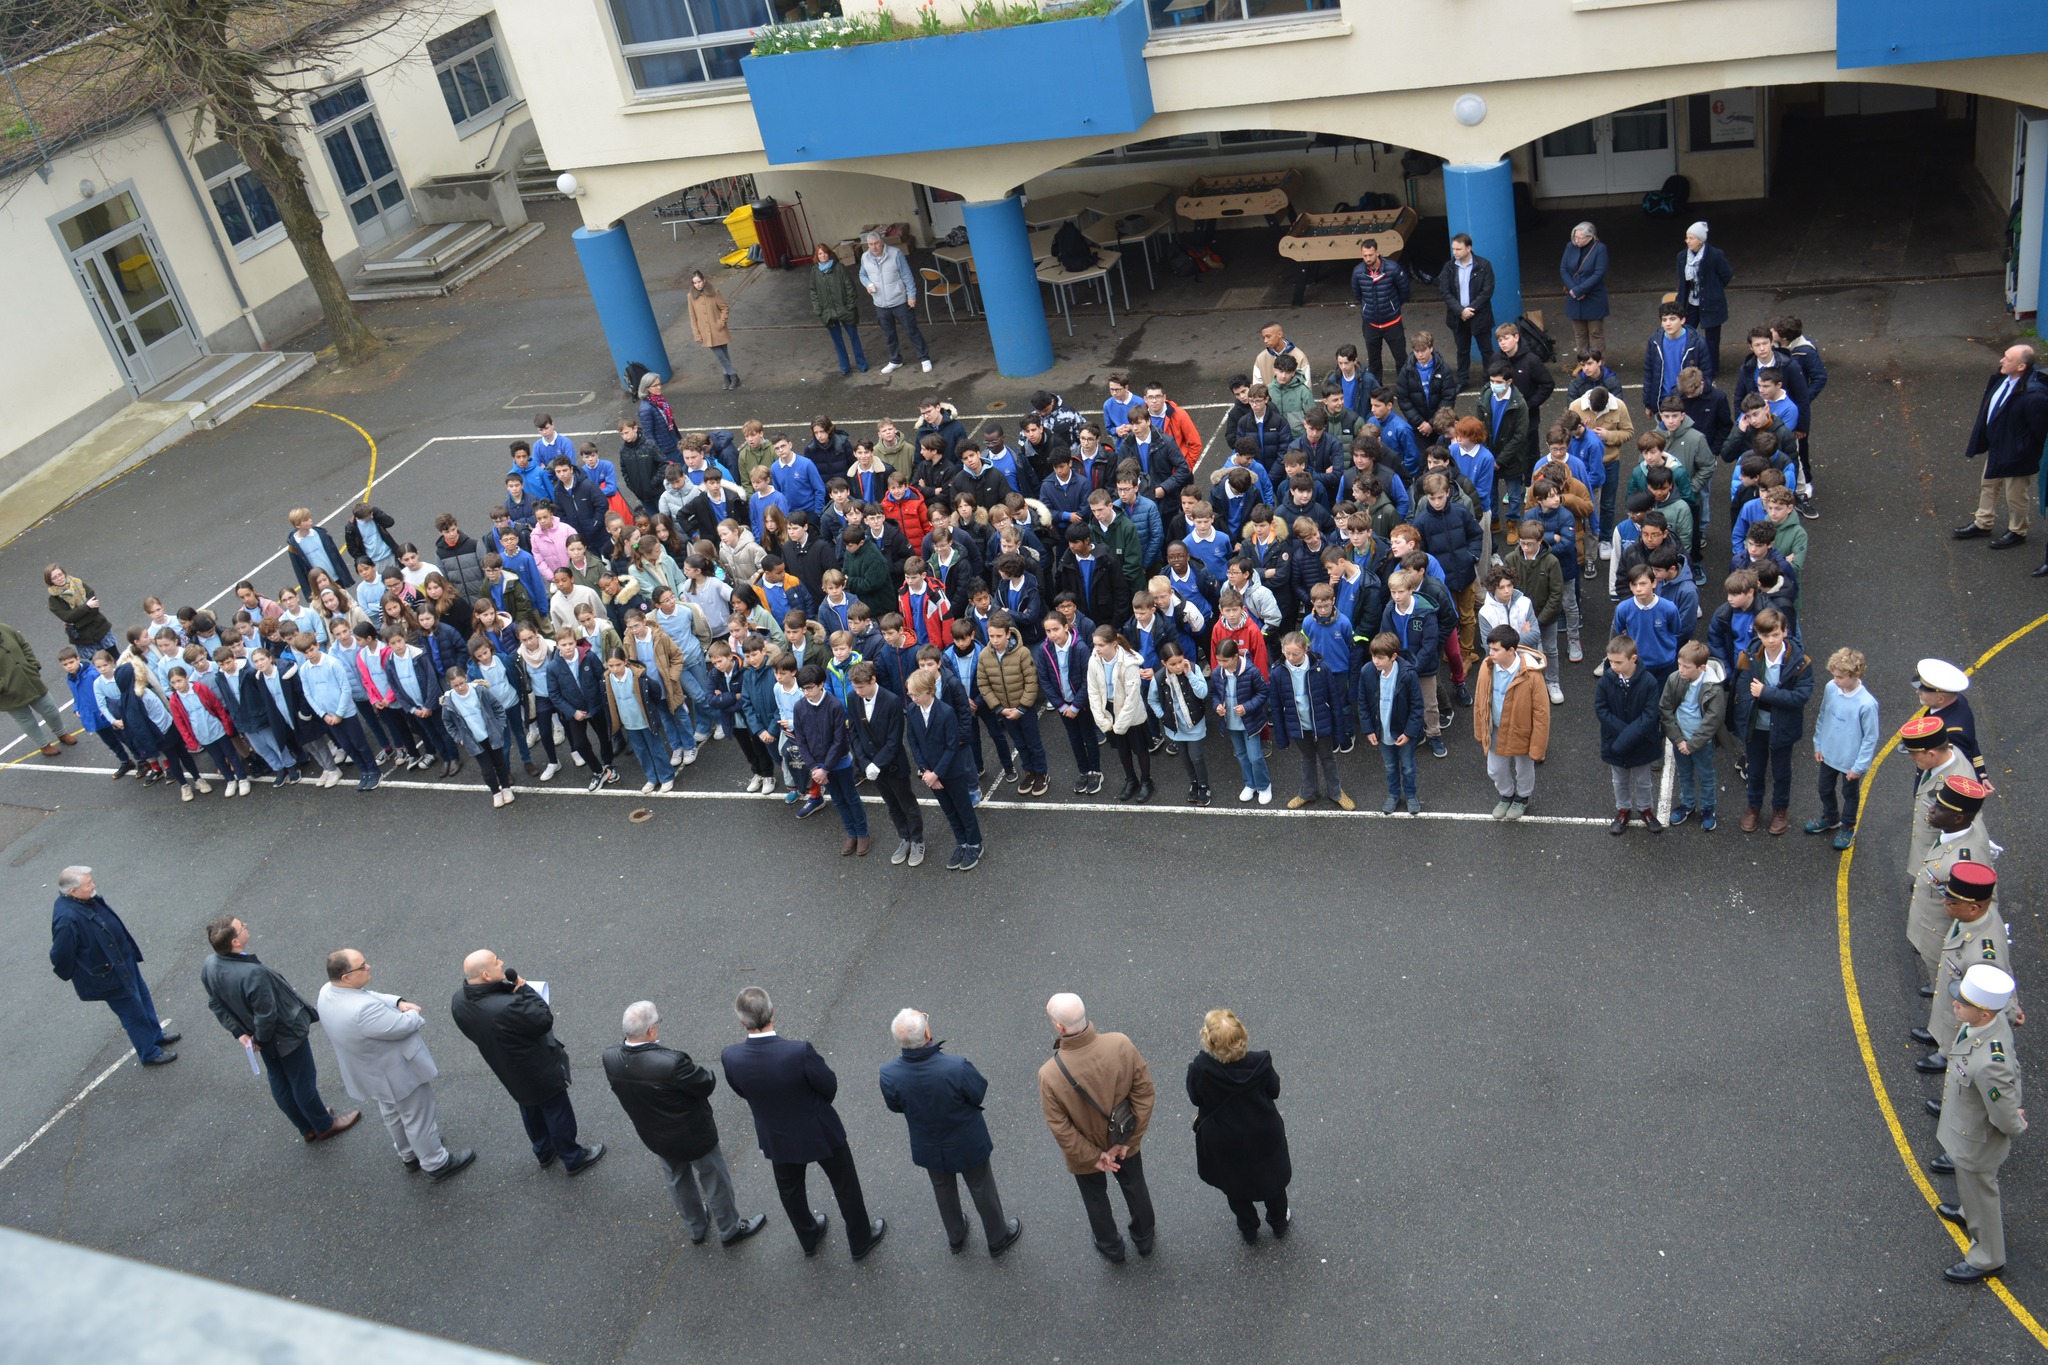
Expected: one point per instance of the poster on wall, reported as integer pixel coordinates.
(1731, 117)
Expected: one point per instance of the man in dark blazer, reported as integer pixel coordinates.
(1466, 283)
(940, 1097)
(93, 950)
(937, 741)
(262, 1012)
(668, 1097)
(2011, 423)
(790, 1089)
(874, 717)
(514, 1029)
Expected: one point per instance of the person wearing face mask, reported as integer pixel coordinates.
(835, 299)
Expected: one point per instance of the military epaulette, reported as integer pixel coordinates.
(1998, 1049)
(1990, 950)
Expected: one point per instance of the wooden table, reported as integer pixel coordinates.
(1105, 232)
(1062, 280)
(1054, 209)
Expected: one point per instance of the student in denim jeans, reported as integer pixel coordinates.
(1690, 709)
(1238, 693)
(1390, 711)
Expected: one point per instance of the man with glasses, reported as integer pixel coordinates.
(384, 1060)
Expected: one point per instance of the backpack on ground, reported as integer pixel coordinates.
(1670, 200)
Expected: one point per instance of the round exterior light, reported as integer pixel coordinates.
(568, 184)
(1469, 110)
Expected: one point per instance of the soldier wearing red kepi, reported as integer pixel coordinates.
(1976, 933)
(1935, 759)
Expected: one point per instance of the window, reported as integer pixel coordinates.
(668, 43)
(247, 212)
(1167, 15)
(1184, 145)
(471, 75)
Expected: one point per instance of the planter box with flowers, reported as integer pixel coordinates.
(832, 89)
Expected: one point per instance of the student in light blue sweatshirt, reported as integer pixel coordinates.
(1845, 735)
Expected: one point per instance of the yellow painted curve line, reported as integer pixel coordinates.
(34, 751)
(369, 483)
(1862, 1028)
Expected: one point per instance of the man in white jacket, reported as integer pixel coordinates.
(893, 286)
(383, 1059)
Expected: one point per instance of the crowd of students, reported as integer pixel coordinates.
(1365, 560)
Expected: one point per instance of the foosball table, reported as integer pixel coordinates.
(1268, 195)
(1315, 238)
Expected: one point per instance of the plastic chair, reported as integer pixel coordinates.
(937, 286)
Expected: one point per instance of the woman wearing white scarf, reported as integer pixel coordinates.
(1703, 276)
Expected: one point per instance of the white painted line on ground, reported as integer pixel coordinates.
(1668, 785)
(1096, 807)
(76, 1100)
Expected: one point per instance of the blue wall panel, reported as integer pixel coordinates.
(1067, 78)
(1892, 32)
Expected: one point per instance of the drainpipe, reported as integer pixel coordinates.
(220, 249)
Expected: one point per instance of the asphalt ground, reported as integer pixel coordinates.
(1551, 1094)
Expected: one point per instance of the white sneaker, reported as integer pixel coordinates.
(1266, 797)
(243, 785)
(689, 757)
(675, 756)
(184, 791)
(925, 365)
(330, 777)
(205, 787)
(497, 798)
(550, 771)
(647, 789)
(667, 786)
(760, 784)
(1606, 550)
(532, 734)
(576, 758)
(1556, 695)
(229, 789)
(892, 366)
(718, 732)
(1246, 795)
(510, 796)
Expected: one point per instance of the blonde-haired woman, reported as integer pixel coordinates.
(1240, 1138)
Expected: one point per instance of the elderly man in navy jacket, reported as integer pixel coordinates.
(790, 1089)
(93, 950)
(941, 1096)
(2012, 421)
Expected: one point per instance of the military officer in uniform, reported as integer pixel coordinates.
(1935, 759)
(1980, 1115)
(1959, 838)
(1976, 933)
(1940, 686)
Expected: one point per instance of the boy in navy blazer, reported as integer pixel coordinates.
(938, 749)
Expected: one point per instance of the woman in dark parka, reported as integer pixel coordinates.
(1240, 1138)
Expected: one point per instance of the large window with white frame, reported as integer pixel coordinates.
(247, 213)
(680, 43)
(471, 73)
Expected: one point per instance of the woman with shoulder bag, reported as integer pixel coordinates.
(1240, 1138)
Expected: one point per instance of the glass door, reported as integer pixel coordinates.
(1619, 153)
(121, 269)
(1573, 161)
(347, 127)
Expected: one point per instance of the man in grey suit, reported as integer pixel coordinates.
(385, 1061)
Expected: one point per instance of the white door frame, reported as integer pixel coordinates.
(136, 371)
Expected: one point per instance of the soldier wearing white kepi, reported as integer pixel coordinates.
(1980, 1116)
(1960, 837)
(1976, 933)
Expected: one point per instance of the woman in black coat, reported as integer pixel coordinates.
(1240, 1138)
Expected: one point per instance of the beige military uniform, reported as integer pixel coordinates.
(1983, 940)
(1925, 785)
(1980, 1116)
(1927, 918)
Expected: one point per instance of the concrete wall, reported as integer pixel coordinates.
(1995, 132)
(68, 381)
(839, 204)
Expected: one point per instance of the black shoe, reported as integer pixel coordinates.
(1280, 1228)
(457, 1163)
(592, 1154)
(1942, 1165)
(1933, 1064)
(172, 1037)
(818, 1231)
(1934, 1108)
(877, 1230)
(1952, 1212)
(953, 863)
(1970, 532)
(2041, 572)
(1081, 787)
(128, 767)
(1015, 1230)
(1144, 794)
(411, 1164)
(2007, 541)
(1922, 1037)
(1464, 694)
(969, 856)
(1619, 825)
(747, 1228)
(1250, 1235)
(1927, 992)
(1114, 1255)
(1144, 1247)
(1201, 796)
(546, 1161)
(164, 1057)
(1094, 783)
(1350, 743)
(1962, 1272)
(1130, 789)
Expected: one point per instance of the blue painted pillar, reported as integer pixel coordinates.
(1480, 201)
(623, 308)
(1009, 286)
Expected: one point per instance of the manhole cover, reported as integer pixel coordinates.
(998, 404)
(641, 816)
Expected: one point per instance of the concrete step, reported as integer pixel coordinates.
(482, 253)
(425, 251)
(216, 387)
(536, 179)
